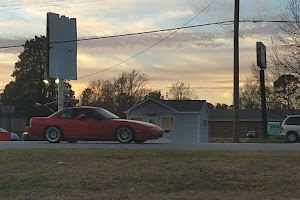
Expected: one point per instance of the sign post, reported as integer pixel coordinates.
(62, 51)
(262, 63)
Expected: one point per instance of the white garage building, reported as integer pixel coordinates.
(182, 120)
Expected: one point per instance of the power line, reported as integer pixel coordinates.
(146, 49)
(127, 34)
(38, 4)
(154, 31)
(23, 4)
(176, 29)
(158, 31)
(229, 30)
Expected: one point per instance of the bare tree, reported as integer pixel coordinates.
(181, 91)
(129, 89)
(118, 94)
(286, 89)
(92, 93)
(286, 43)
(250, 95)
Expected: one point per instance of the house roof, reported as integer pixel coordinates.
(250, 115)
(176, 105)
(184, 105)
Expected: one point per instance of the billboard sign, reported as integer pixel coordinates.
(62, 47)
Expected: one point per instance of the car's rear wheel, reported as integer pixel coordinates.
(292, 137)
(53, 134)
(124, 134)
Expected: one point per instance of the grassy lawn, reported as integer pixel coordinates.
(148, 174)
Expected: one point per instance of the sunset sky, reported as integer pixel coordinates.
(201, 56)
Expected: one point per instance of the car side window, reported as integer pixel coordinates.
(88, 114)
(293, 121)
(68, 114)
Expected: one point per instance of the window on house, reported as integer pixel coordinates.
(137, 118)
(152, 121)
(167, 123)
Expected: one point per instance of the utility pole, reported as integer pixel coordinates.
(236, 72)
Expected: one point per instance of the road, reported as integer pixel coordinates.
(155, 146)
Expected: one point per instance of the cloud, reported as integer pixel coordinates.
(202, 56)
(6, 68)
(14, 41)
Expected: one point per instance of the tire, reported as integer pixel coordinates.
(292, 137)
(27, 138)
(53, 134)
(124, 134)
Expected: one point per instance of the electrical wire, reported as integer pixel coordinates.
(146, 49)
(176, 29)
(154, 31)
(38, 4)
(124, 35)
(158, 31)
(25, 4)
(229, 30)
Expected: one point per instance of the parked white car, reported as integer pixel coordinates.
(290, 128)
(251, 134)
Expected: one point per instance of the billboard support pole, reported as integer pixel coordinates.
(61, 96)
(263, 103)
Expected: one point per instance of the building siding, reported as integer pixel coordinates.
(224, 129)
(187, 127)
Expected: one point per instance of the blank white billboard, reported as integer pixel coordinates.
(62, 49)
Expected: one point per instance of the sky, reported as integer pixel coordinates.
(201, 57)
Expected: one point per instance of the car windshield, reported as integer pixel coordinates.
(106, 113)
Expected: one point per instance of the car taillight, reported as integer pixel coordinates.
(281, 129)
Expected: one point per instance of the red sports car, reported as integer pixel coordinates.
(91, 123)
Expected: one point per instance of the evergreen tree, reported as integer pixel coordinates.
(28, 86)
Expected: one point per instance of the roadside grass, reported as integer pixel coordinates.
(148, 174)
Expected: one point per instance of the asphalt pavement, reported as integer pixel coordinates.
(149, 145)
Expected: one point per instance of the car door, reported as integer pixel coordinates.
(95, 125)
(72, 127)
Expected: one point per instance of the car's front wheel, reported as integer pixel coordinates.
(292, 137)
(124, 134)
(53, 134)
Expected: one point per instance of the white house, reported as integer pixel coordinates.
(182, 120)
